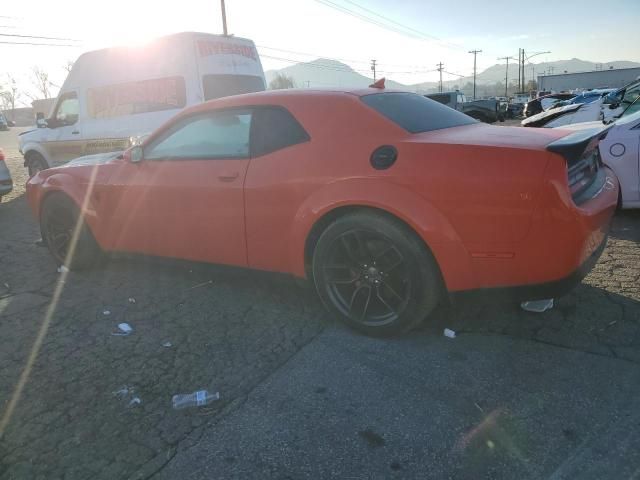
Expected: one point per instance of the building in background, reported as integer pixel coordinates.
(612, 78)
(43, 106)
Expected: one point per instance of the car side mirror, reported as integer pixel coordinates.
(40, 120)
(136, 154)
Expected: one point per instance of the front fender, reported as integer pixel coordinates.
(429, 223)
(42, 184)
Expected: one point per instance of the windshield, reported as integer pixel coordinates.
(415, 113)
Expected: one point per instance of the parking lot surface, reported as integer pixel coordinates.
(301, 396)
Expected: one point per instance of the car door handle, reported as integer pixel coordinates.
(75, 132)
(228, 177)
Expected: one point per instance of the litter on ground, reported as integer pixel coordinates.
(449, 333)
(125, 329)
(537, 306)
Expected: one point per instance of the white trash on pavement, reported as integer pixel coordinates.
(62, 269)
(125, 329)
(537, 306)
(449, 333)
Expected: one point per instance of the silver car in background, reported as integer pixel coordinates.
(6, 183)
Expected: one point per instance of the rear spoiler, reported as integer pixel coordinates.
(573, 146)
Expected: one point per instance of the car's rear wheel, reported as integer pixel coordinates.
(66, 234)
(375, 274)
(36, 163)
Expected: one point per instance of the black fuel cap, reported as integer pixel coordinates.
(383, 157)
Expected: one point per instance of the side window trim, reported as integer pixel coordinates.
(184, 121)
(252, 146)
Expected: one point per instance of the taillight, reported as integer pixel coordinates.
(582, 173)
(1, 155)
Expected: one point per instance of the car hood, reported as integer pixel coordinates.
(543, 117)
(95, 159)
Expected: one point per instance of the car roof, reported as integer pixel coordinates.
(285, 96)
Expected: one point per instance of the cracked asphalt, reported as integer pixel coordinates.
(237, 332)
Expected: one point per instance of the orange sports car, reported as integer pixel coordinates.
(388, 201)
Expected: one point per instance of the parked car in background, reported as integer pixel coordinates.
(488, 111)
(113, 94)
(540, 104)
(6, 183)
(597, 110)
(4, 123)
(391, 206)
(515, 110)
(620, 151)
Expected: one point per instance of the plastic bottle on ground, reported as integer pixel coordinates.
(195, 399)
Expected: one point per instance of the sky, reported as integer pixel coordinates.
(406, 37)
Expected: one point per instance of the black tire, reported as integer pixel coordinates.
(60, 219)
(36, 163)
(349, 264)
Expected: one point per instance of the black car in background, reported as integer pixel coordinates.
(540, 104)
(4, 123)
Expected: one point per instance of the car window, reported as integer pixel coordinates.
(632, 109)
(217, 86)
(631, 95)
(213, 135)
(67, 109)
(444, 99)
(274, 128)
(415, 113)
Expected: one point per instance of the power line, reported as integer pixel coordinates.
(402, 29)
(37, 37)
(418, 32)
(40, 44)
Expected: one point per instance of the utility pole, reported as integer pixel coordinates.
(524, 85)
(440, 67)
(224, 18)
(506, 74)
(373, 69)
(475, 52)
(519, 70)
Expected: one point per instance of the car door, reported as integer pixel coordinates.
(64, 140)
(185, 198)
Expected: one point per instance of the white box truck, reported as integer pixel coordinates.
(113, 95)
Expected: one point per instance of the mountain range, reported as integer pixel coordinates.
(324, 72)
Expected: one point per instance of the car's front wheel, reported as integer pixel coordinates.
(66, 234)
(36, 163)
(375, 274)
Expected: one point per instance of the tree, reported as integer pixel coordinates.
(532, 85)
(280, 82)
(68, 66)
(41, 82)
(9, 95)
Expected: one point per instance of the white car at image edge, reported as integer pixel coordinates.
(620, 151)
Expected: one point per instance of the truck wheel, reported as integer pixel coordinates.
(36, 163)
(66, 234)
(375, 274)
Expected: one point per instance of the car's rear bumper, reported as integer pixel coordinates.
(539, 291)
(564, 242)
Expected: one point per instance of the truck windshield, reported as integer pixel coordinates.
(217, 86)
(415, 113)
